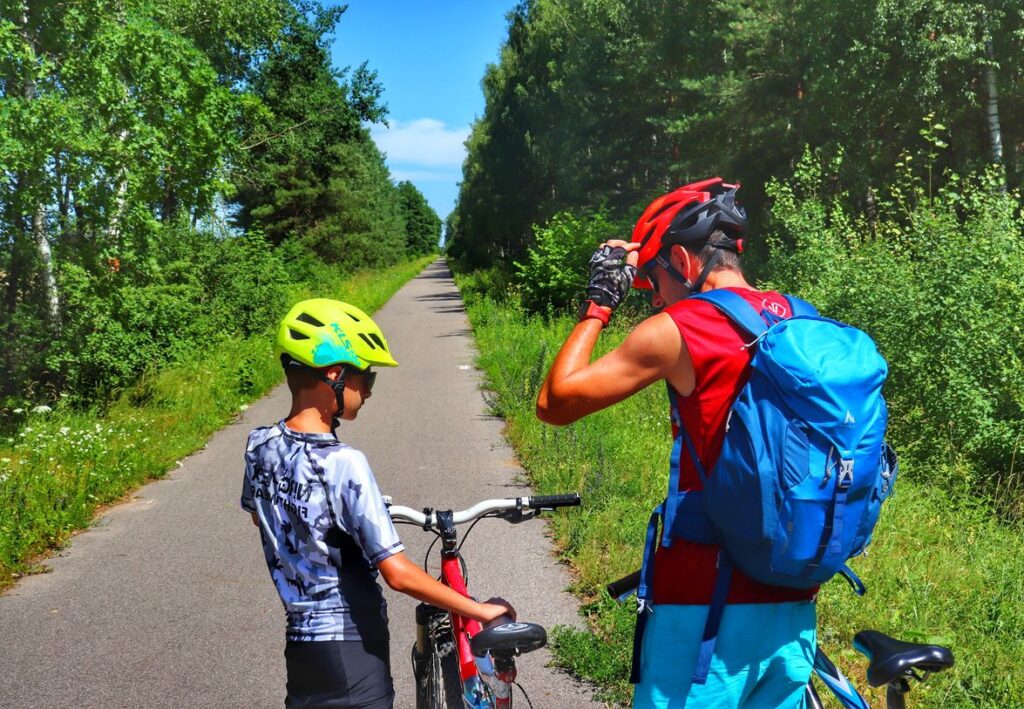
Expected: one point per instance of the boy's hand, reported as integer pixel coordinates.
(495, 608)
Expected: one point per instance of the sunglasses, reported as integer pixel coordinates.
(371, 376)
(649, 272)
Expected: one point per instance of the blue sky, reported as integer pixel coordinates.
(430, 56)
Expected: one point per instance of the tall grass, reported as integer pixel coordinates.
(942, 568)
(60, 465)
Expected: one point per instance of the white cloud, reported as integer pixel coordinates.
(399, 175)
(425, 142)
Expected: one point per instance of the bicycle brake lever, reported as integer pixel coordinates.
(517, 515)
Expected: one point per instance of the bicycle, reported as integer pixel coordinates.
(892, 663)
(456, 661)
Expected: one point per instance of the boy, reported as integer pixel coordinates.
(325, 530)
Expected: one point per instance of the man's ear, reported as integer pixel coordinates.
(682, 260)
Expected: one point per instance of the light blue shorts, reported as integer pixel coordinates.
(763, 657)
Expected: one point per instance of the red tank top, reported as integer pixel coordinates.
(685, 572)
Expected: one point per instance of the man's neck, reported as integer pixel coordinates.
(726, 279)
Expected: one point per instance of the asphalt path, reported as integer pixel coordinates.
(166, 600)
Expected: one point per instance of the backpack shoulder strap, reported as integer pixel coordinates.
(734, 307)
(801, 307)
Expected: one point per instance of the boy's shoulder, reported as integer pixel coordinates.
(260, 435)
(341, 455)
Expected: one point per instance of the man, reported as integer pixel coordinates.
(688, 242)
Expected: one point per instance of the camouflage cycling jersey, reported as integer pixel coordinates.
(324, 528)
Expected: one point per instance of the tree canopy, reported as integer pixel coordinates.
(608, 103)
(129, 126)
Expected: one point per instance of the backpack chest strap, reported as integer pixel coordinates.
(683, 511)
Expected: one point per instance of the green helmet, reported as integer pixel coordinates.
(322, 332)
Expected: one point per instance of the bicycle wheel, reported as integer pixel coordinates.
(438, 685)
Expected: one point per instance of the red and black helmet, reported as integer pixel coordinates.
(687, 216)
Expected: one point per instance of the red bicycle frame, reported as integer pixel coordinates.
(476, 674)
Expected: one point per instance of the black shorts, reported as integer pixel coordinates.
(340, 673)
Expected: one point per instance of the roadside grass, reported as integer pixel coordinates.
(942, 568)
(60, 466)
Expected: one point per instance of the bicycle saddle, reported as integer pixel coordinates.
(509, 638)
(890, 659)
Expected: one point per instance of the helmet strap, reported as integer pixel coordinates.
(667, 265)
(338, 388)
(706, 271)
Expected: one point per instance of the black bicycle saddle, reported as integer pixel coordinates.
(509, 638)
(890, 658)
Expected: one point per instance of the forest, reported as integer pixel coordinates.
(168, 168)
(604, 104)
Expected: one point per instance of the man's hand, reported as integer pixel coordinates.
(612, 270)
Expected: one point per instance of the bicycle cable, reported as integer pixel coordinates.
(466, 535)
(436, 534)
(426, 557)
(458, 550)
(525, 695)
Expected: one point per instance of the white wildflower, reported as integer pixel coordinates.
(18, 411)
(64, 430)
(42, 409)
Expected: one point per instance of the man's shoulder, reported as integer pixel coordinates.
(770, 300)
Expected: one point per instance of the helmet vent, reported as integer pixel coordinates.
(296, 335)
(367, 340)
(664, 208)
(352, 315)
(376, 338)
(309, 320)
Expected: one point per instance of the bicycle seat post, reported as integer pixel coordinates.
(894, 693)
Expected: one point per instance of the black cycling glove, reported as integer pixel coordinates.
(610, 276)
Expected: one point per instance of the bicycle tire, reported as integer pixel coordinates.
(438, 685)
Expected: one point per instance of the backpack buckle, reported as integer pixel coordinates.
(845, 473)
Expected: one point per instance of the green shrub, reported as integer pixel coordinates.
(938, 282)
(194, 290)
(555, 273)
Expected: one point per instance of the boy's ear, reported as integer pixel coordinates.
(334, 373)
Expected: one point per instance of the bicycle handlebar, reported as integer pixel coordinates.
(624, 587)
(428, 517)
(550, 502)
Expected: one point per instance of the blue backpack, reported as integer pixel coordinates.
(804, 467)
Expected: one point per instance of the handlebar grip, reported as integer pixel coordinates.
(571, 499)
(625, 585)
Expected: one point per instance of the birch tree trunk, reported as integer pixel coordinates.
(46, 261)
(120, 201)
(994, 132)
(39, 212)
